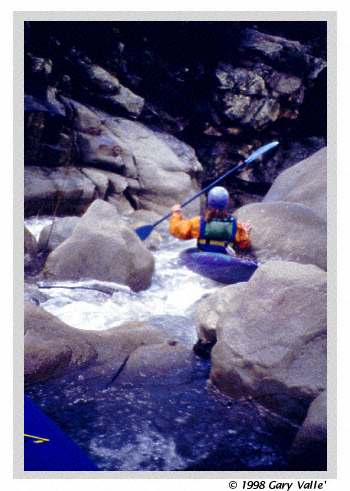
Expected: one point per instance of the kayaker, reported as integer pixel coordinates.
(217, 230)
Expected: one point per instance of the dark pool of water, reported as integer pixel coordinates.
(168, 426)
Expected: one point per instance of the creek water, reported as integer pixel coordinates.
(176, 424)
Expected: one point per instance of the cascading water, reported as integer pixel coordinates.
(176, 424)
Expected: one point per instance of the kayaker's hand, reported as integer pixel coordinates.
(176, 208)
(247, 227)
(230, 251)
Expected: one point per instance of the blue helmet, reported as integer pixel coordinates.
(218, 198)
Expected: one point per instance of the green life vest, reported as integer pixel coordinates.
(217, 234)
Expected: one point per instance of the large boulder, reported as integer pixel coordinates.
(271, 337)
(102, 247)
(304, 183)
(160, 169)
(309, 449)
(51, 236)
(53, 349)
(56, 190)
(286, 231)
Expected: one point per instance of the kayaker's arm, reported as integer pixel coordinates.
(181, 228)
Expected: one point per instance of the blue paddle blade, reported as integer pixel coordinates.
(260, 151)
(144, 231)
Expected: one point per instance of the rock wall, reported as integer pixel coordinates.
(223, 88)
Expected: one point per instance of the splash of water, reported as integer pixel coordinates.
(174, 291)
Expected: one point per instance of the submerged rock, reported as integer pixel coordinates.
(286, 231)
(304, 183)
(102, 247)
(271, 337)
(157, 364)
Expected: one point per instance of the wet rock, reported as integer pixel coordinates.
(144, 217)
(102, 150)
(184, 152)
(50, 346)
(30, 250)
(98, 178)
(271, 337)
(287, 231)
(240, 80)
(107, 89)
(56, 190)
(304, 183)
(210, 309)
(33, 294)
(121, 203)
(309, 449)
(102, 247)
(156, 364)
(269, 82)
(283, 52)
(164, 178)
(117, 183)
(54, 349)
(159, 169)
(51, 236)
(40, 66)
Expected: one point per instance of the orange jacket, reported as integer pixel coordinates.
(189, 229)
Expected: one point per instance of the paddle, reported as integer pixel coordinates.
(144, 231)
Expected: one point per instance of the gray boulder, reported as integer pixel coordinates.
(30, 249)
(62, 189)
(160, 169)
(51, 236)
(304, 183)
(210, 309)
(98, 178)
(167, 362)
(271, 337)
(102, 247)
(286, 231)
(163, 176)
(50, 346)
(144, 217)
(121, 203)
(53, 349)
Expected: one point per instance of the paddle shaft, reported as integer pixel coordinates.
(144, 231)
(188, 201)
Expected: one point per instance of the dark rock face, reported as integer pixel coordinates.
(224, 88)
